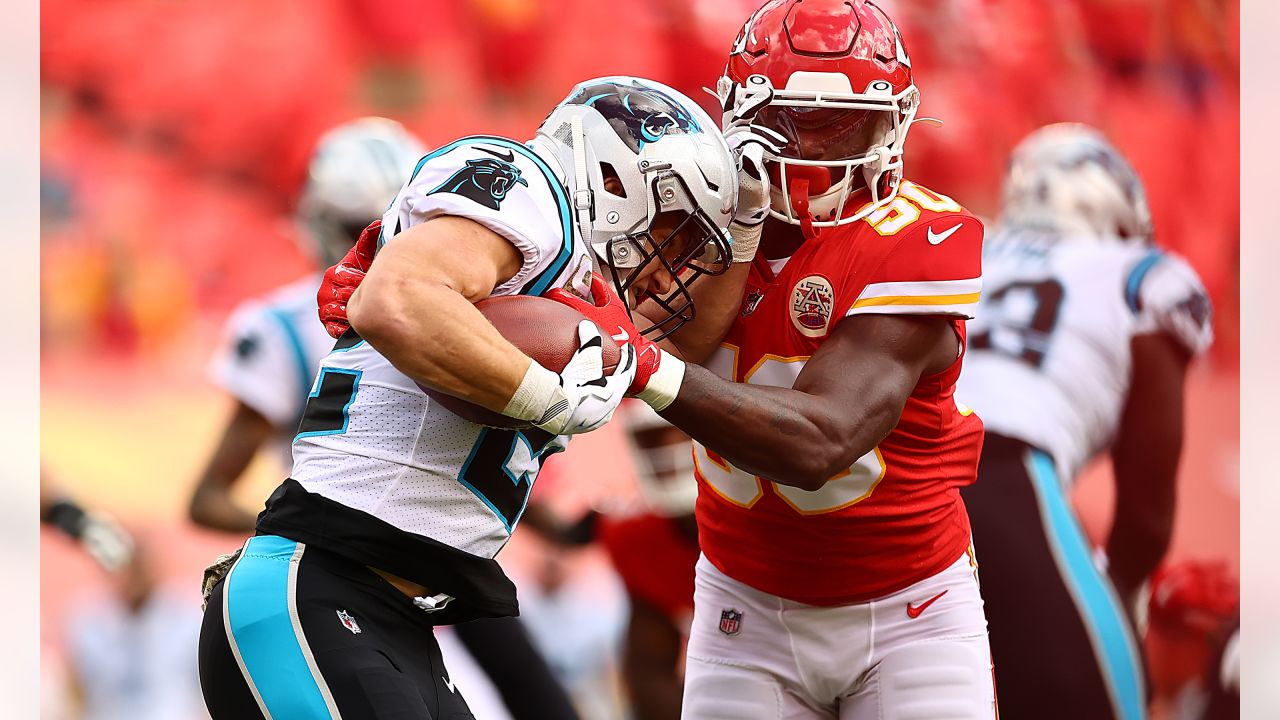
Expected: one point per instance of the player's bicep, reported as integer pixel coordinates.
(447, 250)
(886, 351)
(864, 373)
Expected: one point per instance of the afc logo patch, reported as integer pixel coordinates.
(730, 621)
(485, 181)
(811, 303)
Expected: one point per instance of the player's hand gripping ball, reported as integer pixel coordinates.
(545, 331)
(608, 311)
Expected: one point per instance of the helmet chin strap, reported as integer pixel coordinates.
(800, 205)
(583, 199)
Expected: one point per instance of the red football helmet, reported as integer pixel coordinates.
(843, 97)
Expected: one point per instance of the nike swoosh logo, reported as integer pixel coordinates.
(913, 611)
(448, 683)
(937, 238)
(509, 157)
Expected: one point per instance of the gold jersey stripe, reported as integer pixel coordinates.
(966, 299)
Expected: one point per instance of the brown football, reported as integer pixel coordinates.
(543, 329)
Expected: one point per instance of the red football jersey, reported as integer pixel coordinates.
(655, 560)
(895, 516)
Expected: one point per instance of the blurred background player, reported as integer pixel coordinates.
(654, 549)
(1081, 347)
(132, 648)
(274, 346)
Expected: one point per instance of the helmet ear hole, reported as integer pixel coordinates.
(612, 181)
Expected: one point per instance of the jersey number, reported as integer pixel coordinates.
(503, 466)
(905, 208)
(1021, 321)
(327, 405)
(850, 486)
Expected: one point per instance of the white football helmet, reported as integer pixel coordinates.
(663, 458)
(1067, 179)
(667, 156)
(355, 172)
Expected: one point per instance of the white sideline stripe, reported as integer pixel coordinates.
(922, 288)
(294, 562)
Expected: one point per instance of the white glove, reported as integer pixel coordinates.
(579, 399)
(105, 541)
(748, 141)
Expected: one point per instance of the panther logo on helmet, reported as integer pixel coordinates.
(639, 115)
(483, 180)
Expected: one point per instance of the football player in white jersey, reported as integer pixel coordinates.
(273, 346)
(395, 507)
(1081, 345)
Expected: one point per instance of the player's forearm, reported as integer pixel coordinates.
(213, 507)
(718, 298)
(1140, 532)
(784, 435)
(438, 338)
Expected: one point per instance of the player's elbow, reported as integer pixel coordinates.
(200, 509)
(812, 470)
(379, 313)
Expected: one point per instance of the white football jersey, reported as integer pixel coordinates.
(269, 354)
(1049, 353)
(372, 440)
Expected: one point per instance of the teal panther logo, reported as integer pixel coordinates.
(484, 181)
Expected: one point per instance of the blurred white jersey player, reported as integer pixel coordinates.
(1080, 347)
(273, 345)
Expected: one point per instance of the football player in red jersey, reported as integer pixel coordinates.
(837, 578)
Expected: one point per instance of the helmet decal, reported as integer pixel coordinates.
(640, 115)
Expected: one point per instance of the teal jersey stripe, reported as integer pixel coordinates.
(306, 373)
(1134, 284)
(1105, 621)
(261, 628)
(542, 282)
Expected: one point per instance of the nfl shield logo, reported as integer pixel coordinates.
(730, 621)
(348, 622)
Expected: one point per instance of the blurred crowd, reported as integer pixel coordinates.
(175, 134)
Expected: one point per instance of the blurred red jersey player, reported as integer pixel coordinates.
(654, 550)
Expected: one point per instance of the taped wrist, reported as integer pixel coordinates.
(539, 397)
(66, 516)
(664, 383)
(746, 238)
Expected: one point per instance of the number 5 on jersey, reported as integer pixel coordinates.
(851, 486)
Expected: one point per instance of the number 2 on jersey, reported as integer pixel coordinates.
(1022, 318)
(503, 466)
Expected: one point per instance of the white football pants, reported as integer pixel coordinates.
(918, 654)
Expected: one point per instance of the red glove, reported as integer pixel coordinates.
(342, 279)
(610, 313)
